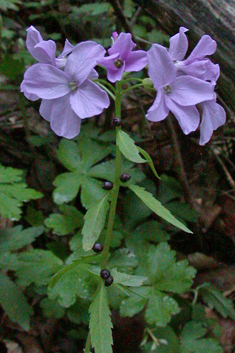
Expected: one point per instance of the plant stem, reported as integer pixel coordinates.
(132, 87)
(116, 184)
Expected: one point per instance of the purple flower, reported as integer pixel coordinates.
(121, 57)
(68, 96)
(213, 116)
(44, 50)
(197, 64)
(178, 94)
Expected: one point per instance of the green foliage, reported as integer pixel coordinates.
(51, 308)
(149, 161)
(65, 223)
(10, 5)
(156, 207)
(14, 302)
(100, 323)
(94, 222)
(215, 299)
(92, 9)
(11, 67)
(193, 341)
(13, 193)
(127, 280)
(36, 266)
(128, 148)
(16, 238)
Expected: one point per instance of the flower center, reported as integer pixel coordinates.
(118, 63)
(167, 89)
(73, 86)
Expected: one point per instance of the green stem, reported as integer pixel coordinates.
(132, 79)
(106, 83)
(132, 87)
(107, 90)
(116, 184)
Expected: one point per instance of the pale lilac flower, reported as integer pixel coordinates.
(44, 51)
(68, 96)
(197, 64)
(178, 94)
(213, 116)
(121, 57)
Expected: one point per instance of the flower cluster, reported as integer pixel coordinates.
(182, 84)
(64, 84)
(69, 94)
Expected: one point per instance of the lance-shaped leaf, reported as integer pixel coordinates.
(14, 302)
(127, 280)
(149, 161)
(157, 207)
(100, 323)
(94, 222)
(128, 148)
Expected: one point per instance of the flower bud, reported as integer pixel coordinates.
(147, 83)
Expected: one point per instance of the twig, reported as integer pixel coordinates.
(179, 162)
(136, 14)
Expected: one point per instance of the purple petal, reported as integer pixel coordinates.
(188, 91)
(68, 48)
(203, 69)
(44, 52)
(45, 109)
(88, 100)
(115, 75)
(188, 117)
(158, 111)
(212, 71)
(93, 75)
(64, 121)
(162, 71)
(136, 61)
(179, 45)
(213, 116)
(108, 61)
(83, 60)
(46, 81)
(31, 97)
(206, 46)
(122, 45)
(33, 38)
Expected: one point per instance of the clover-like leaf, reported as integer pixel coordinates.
(65, 223)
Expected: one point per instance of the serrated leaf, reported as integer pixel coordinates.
(157, 207)
(16, 238)
(169, 189)
(160, 308)
(13, 192)
(37, 266)
(65, 223)
(168, 275)
(149, 161)
(100, 323)
(215, 299)
(69, 283)
(192, 341)
(183, 211)
(127, 280)
(14, 302)
(128, 148)
(94, 222)
(123, 259)
(10, 175)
